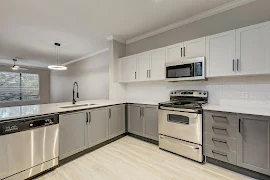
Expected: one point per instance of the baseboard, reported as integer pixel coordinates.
(238, 169)
(143, 138)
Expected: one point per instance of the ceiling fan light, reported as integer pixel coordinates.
(57, 67)
(15, 68)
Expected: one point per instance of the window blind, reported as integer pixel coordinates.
(19, 86)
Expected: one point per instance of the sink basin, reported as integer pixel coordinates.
(76, 105)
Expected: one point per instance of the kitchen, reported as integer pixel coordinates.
(181, 99)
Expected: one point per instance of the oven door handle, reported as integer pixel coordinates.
(177, 141)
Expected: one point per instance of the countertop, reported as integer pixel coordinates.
(14, 112)
(238, 109)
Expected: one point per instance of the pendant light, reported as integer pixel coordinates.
(57, 52)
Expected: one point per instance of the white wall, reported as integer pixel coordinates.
(221, 90)
(91, 74)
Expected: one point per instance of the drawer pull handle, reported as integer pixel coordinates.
(219, 128)
(219, 153)
(223, 117)
(219, 140)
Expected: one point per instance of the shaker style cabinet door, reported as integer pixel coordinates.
(175, 52)
(143, 66)
(220, 54)
(253, 143)
(150, 122)
(97, 127)
(253, 49)
(158, 60)
(72, 134)
(117, 123)
(194, 48)
(128, 69)
(135, 124)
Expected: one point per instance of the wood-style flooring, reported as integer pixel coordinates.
(132, 159)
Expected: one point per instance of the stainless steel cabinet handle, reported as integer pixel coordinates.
(110, 113)
(239, 126)
(142, 111)
(219, 140)
(237, 64)
(233, 65)
(181, 52)
(184, 51)
(135, 75)
(219, 153)
(87, 118)
(219, 128)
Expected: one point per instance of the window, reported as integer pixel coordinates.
(19, 87)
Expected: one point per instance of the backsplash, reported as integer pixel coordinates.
(248, 91)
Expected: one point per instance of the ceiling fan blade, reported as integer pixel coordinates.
(23, 69)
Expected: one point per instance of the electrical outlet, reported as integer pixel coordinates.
(244, 95)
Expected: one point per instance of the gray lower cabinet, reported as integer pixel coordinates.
(72, 134)
(253, 143)
(143, 120)
(150, 122)
(97, 126)
(117, 120)
(135, 124)
(239, 139)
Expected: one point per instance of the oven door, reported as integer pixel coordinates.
(181, 125)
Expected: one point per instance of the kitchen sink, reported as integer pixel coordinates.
(76, 105)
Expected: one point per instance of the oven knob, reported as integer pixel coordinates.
(204, 93)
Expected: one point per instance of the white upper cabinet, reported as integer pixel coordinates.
(245, 51)
(194, 48)
(143, 66)
(158, 59)
(175, 52)
(220, 54)
(253, 49)
(128, 69)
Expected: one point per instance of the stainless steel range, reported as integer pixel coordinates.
(180, 123)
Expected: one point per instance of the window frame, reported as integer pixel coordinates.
(21, 101)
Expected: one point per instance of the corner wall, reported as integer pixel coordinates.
(91, 74)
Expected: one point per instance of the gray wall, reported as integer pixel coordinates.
(91, 74)
(249, 14)
(44, 86)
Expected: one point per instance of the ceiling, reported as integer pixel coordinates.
(29, 28)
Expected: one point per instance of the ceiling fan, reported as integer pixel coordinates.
(15, 67)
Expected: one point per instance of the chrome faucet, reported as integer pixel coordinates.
(73, 99)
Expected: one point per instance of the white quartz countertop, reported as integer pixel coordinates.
(42, 109)
(262, 111)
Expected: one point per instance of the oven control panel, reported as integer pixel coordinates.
(189, 93)
(18, 125)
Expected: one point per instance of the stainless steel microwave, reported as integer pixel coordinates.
(188, 69)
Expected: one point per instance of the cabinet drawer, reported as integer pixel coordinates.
(222, 142)
(222, 130)
(220, 154)
(220, 117)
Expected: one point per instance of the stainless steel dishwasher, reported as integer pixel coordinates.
(28, 146)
